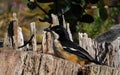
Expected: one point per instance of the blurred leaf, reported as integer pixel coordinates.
(60, 6)
(31, 5)
(77, 10)
(102, 11)
(45, 1)
(86, 18)
(24, 1)
(91, 1)
(77, 1)
(39, 38)
(27, 31)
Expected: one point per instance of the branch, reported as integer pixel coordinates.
(28, 42)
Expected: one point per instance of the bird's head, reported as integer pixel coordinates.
(60, 30)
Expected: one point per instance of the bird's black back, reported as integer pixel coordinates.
(77, 50)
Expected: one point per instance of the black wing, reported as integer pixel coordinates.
(77, 50)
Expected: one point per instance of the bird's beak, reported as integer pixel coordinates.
(47, 29)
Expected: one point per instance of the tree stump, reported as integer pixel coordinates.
(32, 63)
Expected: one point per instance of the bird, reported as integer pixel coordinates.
(67, 49)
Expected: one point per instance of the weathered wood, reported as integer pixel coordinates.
(69, 32)
(7, 43)
(32, 63)
(114, 53)
(86, 43)
(15, 28)
(101, 70)
(55, 20)
(44, 47)
(108, 53)
(20, 38)
(64, 23)
(17, 37)
(47, 43)
(67, 27)
(33, 32)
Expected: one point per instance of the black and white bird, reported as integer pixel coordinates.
(69, 50)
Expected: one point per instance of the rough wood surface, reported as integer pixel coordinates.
(114, 53)
(33, 31)
(18, 39)
(67, 27)
(32, 63)
(47, 43)
(15, 28)
(55, 20)
(101, 70)
(108, 53)
(69, 32)
(7, 43)
(87, 43)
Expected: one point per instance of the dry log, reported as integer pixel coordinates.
(32, 63)
(101, 70)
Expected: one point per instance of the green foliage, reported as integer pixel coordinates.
(102, 10)
(74, 11)
(99, 26)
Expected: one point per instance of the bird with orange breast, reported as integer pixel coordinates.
(67, 49)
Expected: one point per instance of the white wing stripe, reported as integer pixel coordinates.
(73, 49)
(70, 48)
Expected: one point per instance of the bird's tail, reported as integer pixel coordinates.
(98, 62)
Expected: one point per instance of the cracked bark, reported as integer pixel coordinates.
(33, 63)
